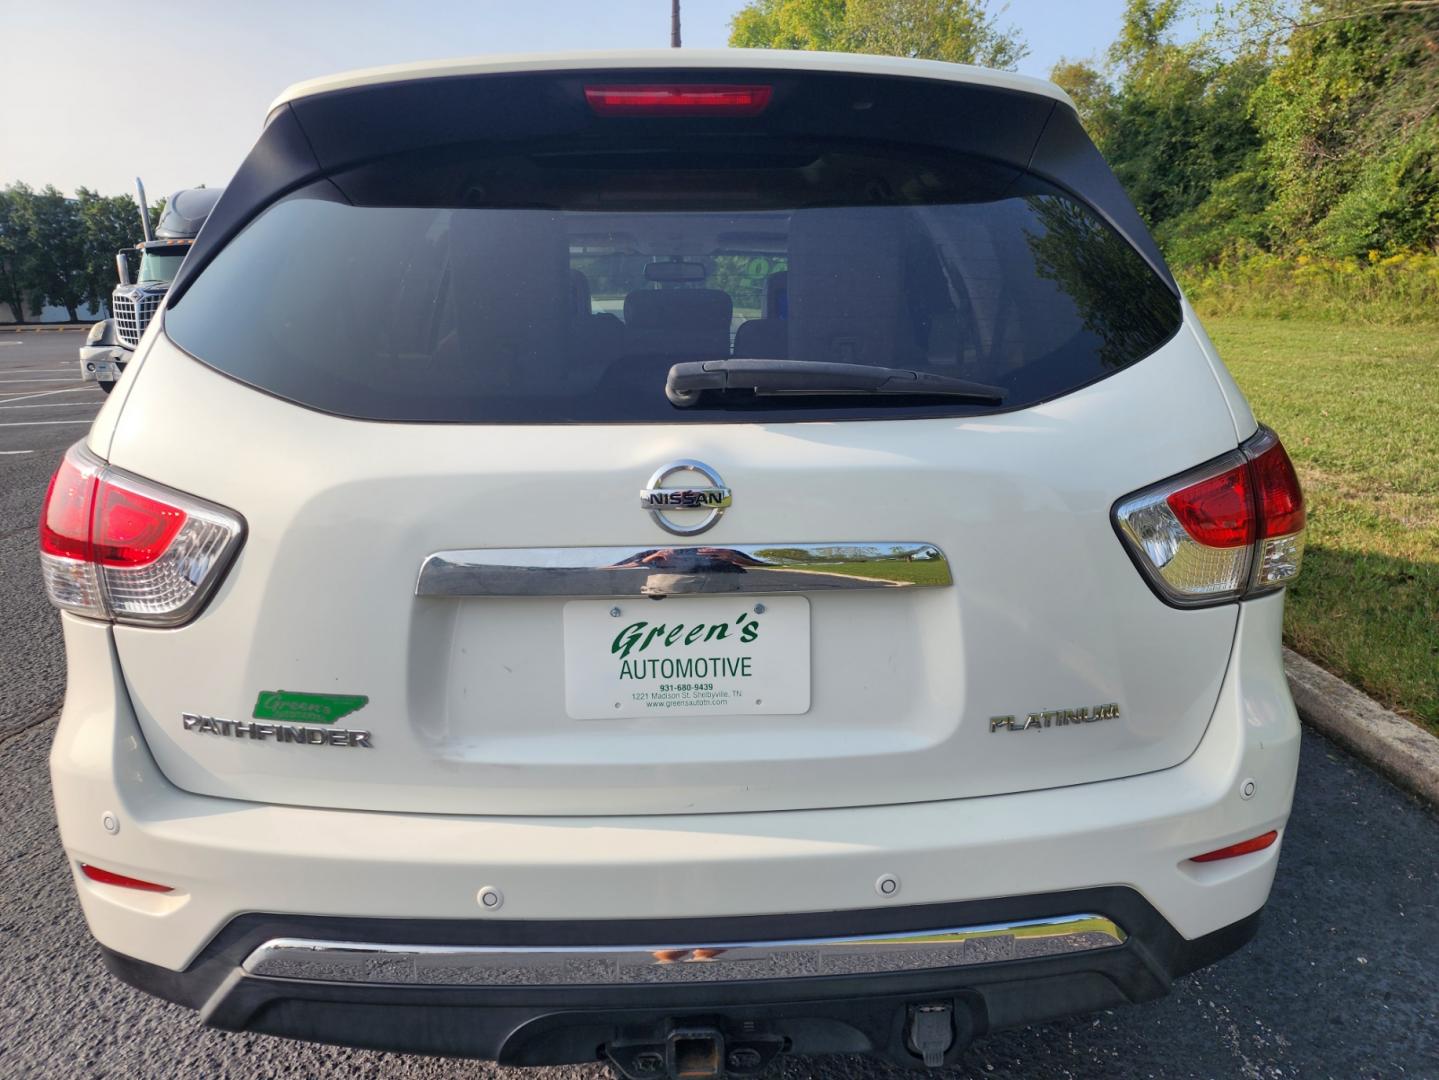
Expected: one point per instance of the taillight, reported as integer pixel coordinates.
(115, 546)
(1280, 504)
(1228, 529)
(683, 99)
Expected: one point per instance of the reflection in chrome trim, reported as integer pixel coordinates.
(676, 571)
(534, 965)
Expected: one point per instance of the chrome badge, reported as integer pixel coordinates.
(702, 506)
(1047, 718)
(276, 734)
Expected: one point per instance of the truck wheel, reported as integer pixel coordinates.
(107, 386)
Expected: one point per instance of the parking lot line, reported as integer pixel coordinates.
(36, 380)
(42, 423)
(41, 393)
(55, 405)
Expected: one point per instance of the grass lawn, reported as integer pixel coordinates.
(1358, 409)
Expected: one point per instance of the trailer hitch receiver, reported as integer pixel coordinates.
(695, 1052)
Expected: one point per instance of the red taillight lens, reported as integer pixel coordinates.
(114, 546)
(69, 504)
(678, 100)
(109, 877)
(1280, 499)
(1218, 511)
(1244, 847)
(133, 529)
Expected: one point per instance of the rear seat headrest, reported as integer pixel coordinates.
(580, 292)
(691, 323)
(846, 287)
(678, 309)
(776, 295)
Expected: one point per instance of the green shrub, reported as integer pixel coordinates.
(1393, 290)
(1394, 202)
(1232, 218)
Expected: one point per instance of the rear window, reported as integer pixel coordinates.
(560, 284)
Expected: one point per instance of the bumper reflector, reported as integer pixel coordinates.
(109, 877)
(1244, 847)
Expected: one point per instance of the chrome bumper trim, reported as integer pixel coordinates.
(675, 571)
(618, 965)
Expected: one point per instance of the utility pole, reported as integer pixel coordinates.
(674, 24)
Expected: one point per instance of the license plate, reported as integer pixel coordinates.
(684, 656)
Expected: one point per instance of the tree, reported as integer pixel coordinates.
(790, 24)
(1145, 32)
(14, 284)
(53, 239)
(110, 223)
(1089, 90)
(1174, 122)
(959, 31)
(1350, 127)
(1288, 125)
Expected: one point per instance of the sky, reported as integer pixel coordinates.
(97, 93)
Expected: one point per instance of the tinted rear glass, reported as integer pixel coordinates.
(554, 285)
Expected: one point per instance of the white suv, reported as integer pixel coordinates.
(674, 558)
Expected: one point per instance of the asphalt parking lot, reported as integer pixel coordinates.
(1342, 982)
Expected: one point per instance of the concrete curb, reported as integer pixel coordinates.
(1399, 749)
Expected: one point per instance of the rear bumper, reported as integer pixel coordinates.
(224, 859)
(1005, 980)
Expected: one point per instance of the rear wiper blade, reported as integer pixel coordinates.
(764, 378)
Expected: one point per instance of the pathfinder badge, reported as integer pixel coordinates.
(1038, 721)
(296, 734)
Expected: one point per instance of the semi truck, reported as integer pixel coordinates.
(111, 342)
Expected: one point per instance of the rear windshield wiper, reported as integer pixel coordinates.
(764, 378)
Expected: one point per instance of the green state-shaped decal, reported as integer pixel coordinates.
(297, 708)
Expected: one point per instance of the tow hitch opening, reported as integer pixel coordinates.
(695, 1052)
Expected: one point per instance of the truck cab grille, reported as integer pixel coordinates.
(133, 312)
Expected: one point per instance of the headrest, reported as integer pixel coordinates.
(846, 286)
(580, 292)
(776, 295)
(678, 309)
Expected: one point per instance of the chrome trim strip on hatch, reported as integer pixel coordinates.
(678, 571)
(610, 965)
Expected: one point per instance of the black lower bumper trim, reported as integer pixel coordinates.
(546, 1025)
